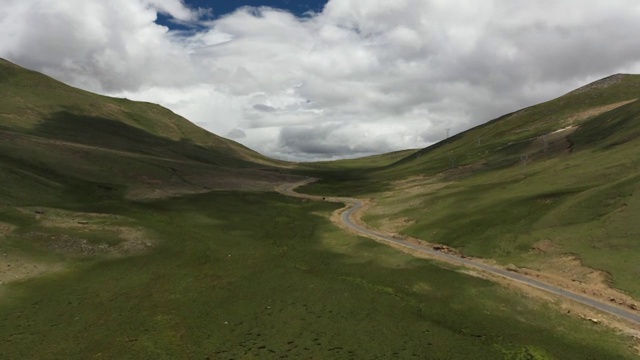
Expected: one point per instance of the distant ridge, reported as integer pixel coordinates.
(600, 84)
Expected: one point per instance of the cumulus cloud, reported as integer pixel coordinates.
(358, 78)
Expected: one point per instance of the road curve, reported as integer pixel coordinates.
(353, 205)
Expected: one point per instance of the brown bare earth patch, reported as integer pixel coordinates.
(395, 224)
(579, 117)
(17, 268)
(68, 233)
(575, 119)
(553, 142)
(242, 180)
(600, 84)
(568, 271)
(158, 193)
(459, 172)
(130, 239)
(543, 246)
(405, 194)
(418, 185)
(5, 229)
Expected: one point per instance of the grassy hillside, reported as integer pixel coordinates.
(57, 139)
(114, 245)
(529, 132)
(367, 162)
(554, 181)
(38, 105)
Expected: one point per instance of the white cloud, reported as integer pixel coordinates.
(358, 78)
(176, 9)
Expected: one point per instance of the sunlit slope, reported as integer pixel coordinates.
(536, 133)
(58, 141)
(555, 181)
(367, 162)
(554, 186)
(532, 132)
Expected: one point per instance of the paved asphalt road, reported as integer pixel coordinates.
(356, 205)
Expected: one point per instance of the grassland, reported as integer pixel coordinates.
(563, 174)
(366, 163)
(291, 285)
(128, 233)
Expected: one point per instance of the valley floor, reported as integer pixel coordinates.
(259, 275)
(590, 302)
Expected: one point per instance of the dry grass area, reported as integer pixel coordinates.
(144, 193)
(5, 229)
(554, 142)
(15, 267)
(574, 119)
(579, 117)
(71, 234)
(406, 194)
(569, 272)
(228, 180)
(128, 239)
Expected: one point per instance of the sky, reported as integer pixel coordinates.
(214, 9)
(316, 80)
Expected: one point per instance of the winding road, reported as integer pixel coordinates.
(354, 205)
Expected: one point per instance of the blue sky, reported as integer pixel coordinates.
(222, 7)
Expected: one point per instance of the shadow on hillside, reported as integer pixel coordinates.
(115, 135)
(610, 129)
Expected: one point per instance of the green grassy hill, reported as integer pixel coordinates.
(532, 131)
(57, 138)
(114, 245)
(559, 180)
(36, 104)
(367, 162)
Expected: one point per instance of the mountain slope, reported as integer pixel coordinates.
(523, 133)
(553, 187)
(36, 104)
(57, 139)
